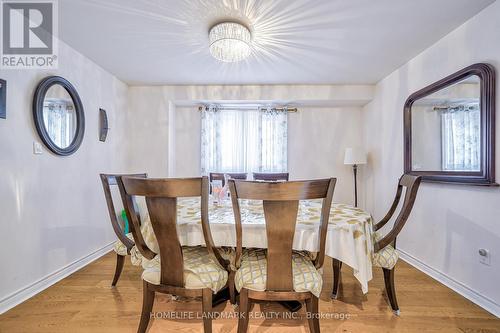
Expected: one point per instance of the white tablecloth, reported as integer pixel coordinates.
(349, 237)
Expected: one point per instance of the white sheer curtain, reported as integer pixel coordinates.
(461, 138)
(235, 140)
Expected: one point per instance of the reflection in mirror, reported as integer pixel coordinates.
(446, 128)
(59, 116)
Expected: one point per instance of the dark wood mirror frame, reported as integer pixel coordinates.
(486, 176)
(38, 100)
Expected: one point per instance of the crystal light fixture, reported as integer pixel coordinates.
(229, 41)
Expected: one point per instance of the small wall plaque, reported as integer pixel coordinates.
(103, 125)
(3, 99)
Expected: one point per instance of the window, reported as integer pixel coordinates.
(461, 137)
(60, 120)
(243, 139)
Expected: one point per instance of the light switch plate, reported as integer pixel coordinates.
(37, 148)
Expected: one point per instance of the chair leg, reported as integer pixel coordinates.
(148, 298)
(232, 289)
(244, 309)
(390, 289)
(207, 310)
(337, 266)
(118, 270)
(312, 309)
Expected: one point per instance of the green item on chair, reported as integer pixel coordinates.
(125, 222)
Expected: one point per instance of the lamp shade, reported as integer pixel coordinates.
(354, 156)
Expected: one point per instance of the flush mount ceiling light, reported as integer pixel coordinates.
(229, 41)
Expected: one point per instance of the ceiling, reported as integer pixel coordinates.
(152, 42)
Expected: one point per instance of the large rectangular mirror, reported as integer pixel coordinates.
(449, 128)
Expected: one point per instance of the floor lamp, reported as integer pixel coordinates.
(355, 157)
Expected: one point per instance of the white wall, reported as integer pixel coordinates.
(449, 223)
(168, 133)
(52, 208)
(316, 144)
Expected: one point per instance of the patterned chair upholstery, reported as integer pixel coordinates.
(386, 257)
(200, 270)
(120, 248)
(252, 273)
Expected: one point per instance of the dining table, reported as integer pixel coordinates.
(349, 235)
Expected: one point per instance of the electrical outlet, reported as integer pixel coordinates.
(484, 257)
(37, 148)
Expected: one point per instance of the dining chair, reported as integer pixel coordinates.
(278, 273)
(273, 177)
(177, 270)
(385, 254)
(217, 176)
(237, 175)
(125, 242)
(222, 176)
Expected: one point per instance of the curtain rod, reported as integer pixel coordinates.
(455, 107)
(249, 107)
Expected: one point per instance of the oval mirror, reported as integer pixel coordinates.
(58, 114)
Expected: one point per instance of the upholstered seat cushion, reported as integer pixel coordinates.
(120, 248)
(252, 273)
(201, 270)
(150, 240)
(386, 257)
(136, 257)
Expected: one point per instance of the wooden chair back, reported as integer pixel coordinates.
(411, 185)
(217, 176)
(238, 175)
(161, 199)
(222, 176)
(108, 181)
(280, 203)
(271, 177)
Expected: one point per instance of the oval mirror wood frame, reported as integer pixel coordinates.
(486, 176)
(38, 100)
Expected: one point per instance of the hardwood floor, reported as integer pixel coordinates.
(85, 302)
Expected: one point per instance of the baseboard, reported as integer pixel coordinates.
(31, 290)
(460, 288)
